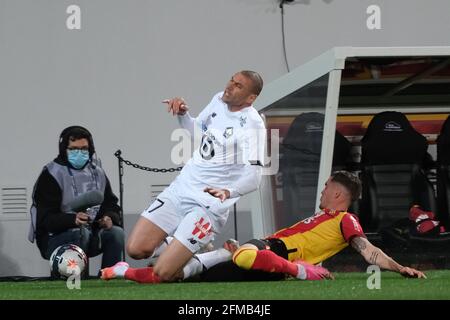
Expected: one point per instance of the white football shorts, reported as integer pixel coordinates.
(184, 218)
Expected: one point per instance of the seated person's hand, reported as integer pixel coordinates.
(81, 218)
(105, 222)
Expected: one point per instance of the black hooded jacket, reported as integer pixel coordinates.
(50, 219)
(47, 198)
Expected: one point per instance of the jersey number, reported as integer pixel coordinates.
(207, 148)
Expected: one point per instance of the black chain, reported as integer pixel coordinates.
(137, 166)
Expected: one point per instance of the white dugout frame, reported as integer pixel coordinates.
(332, 63)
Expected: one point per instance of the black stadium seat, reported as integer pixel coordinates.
(299, 165)
(392, 155)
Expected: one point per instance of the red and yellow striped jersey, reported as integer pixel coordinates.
(321, 236)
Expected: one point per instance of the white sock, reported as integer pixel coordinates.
(301, 272)
(206, 260)
(120, 269)
(192, 268)
(210, 259)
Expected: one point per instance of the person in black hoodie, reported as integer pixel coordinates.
(73, 173)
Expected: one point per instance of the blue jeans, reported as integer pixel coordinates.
(93, 242)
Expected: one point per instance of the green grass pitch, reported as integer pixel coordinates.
(346, 286)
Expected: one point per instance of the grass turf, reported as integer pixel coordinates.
(346, 286)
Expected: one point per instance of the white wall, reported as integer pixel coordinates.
(111, 75)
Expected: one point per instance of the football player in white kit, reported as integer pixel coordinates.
(195, 207)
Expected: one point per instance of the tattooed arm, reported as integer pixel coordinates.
(375, 255)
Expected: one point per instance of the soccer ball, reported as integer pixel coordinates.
(67, 260)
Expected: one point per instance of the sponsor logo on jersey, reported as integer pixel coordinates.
(313, 218)
(208, 121)
(242, 120)
(355, 223)
(201, 229)
(228, 132)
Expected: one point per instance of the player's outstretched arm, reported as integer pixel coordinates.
(375, 255)
(178, 107)
(248, 182)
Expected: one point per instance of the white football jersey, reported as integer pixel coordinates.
(230, 143)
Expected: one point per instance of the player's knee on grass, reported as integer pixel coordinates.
(244, 257)
(164, 273)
